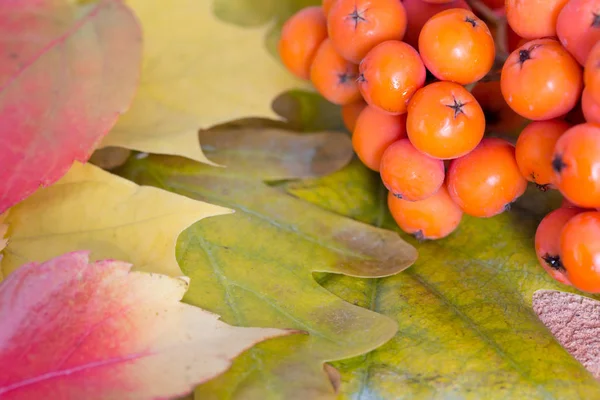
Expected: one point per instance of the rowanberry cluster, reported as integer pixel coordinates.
(415, 82)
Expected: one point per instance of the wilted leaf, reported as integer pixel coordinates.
(466, 327)
(254, 267)
(66, 74)
(110, 157)
(75, 330)
(111, 216)
(575, 322)
(198, 72)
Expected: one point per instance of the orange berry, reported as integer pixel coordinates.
(389, 75)
(591, 75)
(438, 1)
(487, 180)
(532, 19)
(418, 13)
(541, 80)
(333, 76)
(410, 174)
(433, 218)
(356, 26)
(578, 27)
(444, 120)
(534, 150)
(499, 117)
(375, 130)
(580, 250)
(567, 204)
(590, 107)
(327, 4)
(576, 165)
(350, 113)
(301, 36)
(547, 242)
(457, 46)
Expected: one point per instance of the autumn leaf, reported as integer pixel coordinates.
(90, 209)
(255, 267)
(75, 329)
(66, 74)
(575, 322)
(198, 72)
(466, 326)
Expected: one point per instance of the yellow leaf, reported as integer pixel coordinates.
(91, 209)
(198, 72)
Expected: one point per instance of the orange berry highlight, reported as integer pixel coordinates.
(532, 19)
(433, 218)
(418, 13)
(356, 26)
(580, 251)
(333, 76)
(487, 180)
(409, 174)
(578, 27)
(375, 130)
(457, 46)
(301, 36)
(444, 120)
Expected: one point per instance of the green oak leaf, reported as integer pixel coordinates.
(254, 267)
(466, 325)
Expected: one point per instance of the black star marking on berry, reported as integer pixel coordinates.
(397, 195)
(344, 78)
(558, 164)
(471, 21)
(419, 236)
(542, 188)
(457, 107)
(554, 262)
(357, 16)
(595, 20)
(524, 55)
(361, 78)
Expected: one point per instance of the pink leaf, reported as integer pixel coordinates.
(64, 80)
(74, 330)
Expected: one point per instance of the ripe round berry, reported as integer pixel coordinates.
(389, 75)
(457, 46)
(487, 180)
(375, 130)
(541, 80)
(301, 36)
(356, 26)
(578, 27)
(418, 13)
(576, 165)
(580, 251)
(444, 120)
(547, 242)
(534, 150)
(533, 19)
(590, 107)
(327, 4)
(409, 174)
(591, 75)
(333, 76)
(499, 117)
(433, 218)
(350, 113)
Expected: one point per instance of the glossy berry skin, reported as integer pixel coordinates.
(578, 27)
(591, 74)
(532, 19)
(541, 80)
(409, 174)
(457, 46)
(433, 218)
(535, 148)
(350, 113)
(301, 36)
(580, 251)
(418, 13)
(576, 165)
(444, 120)
(487, 180)
(327, 4)
(389, 75)
(590, 107)
(333, 76)
(356, 26)
(547, 242)
(374, 132)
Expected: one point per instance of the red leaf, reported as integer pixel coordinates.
(74, 330)
(64, 80)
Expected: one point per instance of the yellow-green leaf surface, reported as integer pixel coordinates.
(198, 71)
(466, 326)
(255, 267)
(91, 209)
